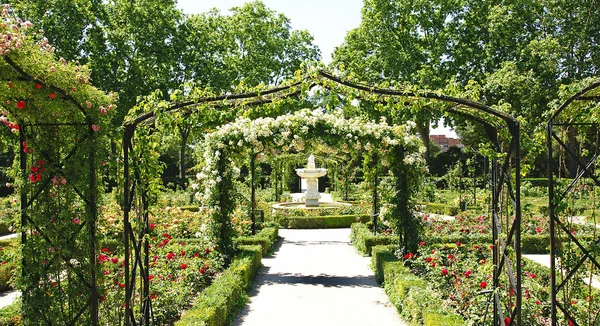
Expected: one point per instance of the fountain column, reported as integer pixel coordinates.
(311, 174)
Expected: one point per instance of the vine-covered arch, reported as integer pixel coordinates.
(506, 172)
(573, 255)
(396, 147)
(57, 123)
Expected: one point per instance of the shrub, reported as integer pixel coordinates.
(363, 239)
(321, 222)
(409, 293)
(439, 208)
(266, 238)
(217, 304)
(11, 315)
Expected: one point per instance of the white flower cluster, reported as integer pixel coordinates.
(292, 130)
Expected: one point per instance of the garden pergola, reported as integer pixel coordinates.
(58, 120)
(569, 251)
(136, 257)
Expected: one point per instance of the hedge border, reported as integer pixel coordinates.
(265, 238)
(321, 222)
(218, 303)
(409, 293)
(363, 240)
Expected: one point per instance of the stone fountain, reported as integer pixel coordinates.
(311, 174)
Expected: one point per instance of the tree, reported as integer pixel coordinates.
(404, 41)
(252, 46)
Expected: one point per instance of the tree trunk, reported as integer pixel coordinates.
(185, 132)
(423, 130)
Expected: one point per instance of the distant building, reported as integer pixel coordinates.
(445, 142)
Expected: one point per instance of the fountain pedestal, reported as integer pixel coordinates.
(311, 174)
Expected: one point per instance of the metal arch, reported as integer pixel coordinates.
(501, 171)
(557, 227)
(87, 278)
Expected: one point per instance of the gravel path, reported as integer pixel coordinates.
(317, 278)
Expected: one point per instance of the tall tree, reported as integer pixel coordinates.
(405, 41)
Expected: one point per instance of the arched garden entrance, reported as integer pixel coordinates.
(58, 123)
(573, 133)
(505, 186)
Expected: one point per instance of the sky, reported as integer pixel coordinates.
(327, 20)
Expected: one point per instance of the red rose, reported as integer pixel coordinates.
(444, 272)
(183, 266)
(38, 86)
(52, 95)
(202, 271)
(483, 284)
(506, 321)
(9, 84)
(21, 104)
(207, 251)
(114, 260)
(122, 285)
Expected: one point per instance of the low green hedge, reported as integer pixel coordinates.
(321, 222)
(216, 305)
(191, 208)
(530, 244)
(266, 238)
(11, 315)
(363, 239)
(439, 208)
(410, 295)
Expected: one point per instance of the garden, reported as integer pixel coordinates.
(101, 225)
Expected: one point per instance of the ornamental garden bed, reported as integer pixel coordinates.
(183, 265)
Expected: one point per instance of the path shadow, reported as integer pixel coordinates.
(321, 279)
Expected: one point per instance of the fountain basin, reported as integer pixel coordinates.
(302, 206)
(311, 173)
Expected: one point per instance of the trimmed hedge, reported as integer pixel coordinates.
(530, 244)
(321, 222)
(190, 208)
(216, 305)
(11, 315)
(266, 238)
(363, 239)
(439, 208)
(409, 293)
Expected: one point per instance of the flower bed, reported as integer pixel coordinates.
(409, 293)
(363, 239)
(461, 275)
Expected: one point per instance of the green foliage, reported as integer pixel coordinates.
(320, 222)
(11, 315)
(439, 208)
(217, 304)
(410, 294)
(364, 240)
(266, 238)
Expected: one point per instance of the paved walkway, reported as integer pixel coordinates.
(317, 278)
(8, 297)
(544, 260)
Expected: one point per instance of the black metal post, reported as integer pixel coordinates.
(93, 213)
(495, 249)
(375, 186)
(23, 164)
(127, 136)
(276, 181)
(552, 227)
(146, 270)
(253, 192)
(517, 227)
